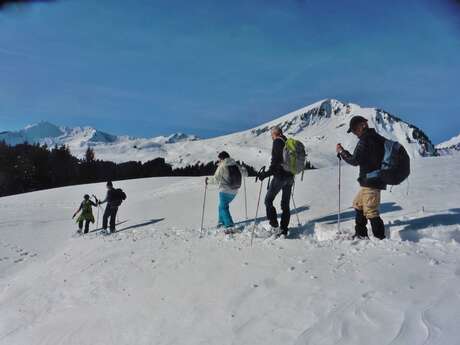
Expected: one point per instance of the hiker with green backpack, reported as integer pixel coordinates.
(228, 177)
(288, 159)
(86, 216)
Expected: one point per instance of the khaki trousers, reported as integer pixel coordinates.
(368, 201)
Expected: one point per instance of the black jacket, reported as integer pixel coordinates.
(368, 155)
(110, 198)
(276, 168)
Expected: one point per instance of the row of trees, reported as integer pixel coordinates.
(26, 168)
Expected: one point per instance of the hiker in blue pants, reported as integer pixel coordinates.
(228, 177)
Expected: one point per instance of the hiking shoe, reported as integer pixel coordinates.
(357, 237)
(284, 232)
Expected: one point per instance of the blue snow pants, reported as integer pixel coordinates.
(225, 217)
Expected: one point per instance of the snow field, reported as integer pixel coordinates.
(156, 281)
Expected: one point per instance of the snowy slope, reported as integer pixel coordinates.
(320, 126)
(157, 282)
(450, 146)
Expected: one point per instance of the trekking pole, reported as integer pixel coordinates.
(340, 185)
(204, 205)
(258, 203)
(245, 199)
(295, 207)
(98, 208)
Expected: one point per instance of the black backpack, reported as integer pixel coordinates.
(395, 166)
(234, 177)
(118, 196)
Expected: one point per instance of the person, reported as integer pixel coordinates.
(86, 216)
(368, 155)
(228, 187)
(111, 209)
(282, 181)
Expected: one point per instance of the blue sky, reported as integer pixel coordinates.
(148, 67)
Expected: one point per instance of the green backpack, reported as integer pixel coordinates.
(294, 156)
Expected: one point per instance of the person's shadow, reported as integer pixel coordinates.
(140, 225)
(259, 219)
(412, 227)
(309, 227)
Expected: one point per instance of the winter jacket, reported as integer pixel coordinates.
(86, 211)
(222, 176)
(109, 198)
(368, 155)
(276, 169)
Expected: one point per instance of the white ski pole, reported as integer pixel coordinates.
(295, 207)
(98, 208)
(245, 199)
(204, 205)
(258, 203)
(340, 185)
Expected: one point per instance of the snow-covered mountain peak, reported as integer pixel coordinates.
(323, 124)
(450, 146)
(43, 129)
(320, 126)
(180, 137)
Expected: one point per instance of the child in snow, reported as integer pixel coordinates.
(86, 216)
(228, 177)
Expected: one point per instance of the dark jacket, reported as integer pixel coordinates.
(110, 198)
(368, 155)
(276, 168)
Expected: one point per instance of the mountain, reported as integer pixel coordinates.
(50, 134)
(449, 146)
(79, 138)
(320, 126)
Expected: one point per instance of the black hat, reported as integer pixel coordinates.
(109, 184)
(86, 197)
(223, 155)
(355, 120)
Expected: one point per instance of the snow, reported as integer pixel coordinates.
(319, 126)
(156, 281)
(449, 147)
(449, 143)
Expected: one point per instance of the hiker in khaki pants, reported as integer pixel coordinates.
(368, 154)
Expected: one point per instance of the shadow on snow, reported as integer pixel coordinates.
(140, 225)
(411, 227)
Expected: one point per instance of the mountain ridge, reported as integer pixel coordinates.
(319, 125)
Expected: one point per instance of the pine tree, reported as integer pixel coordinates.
(89, 155)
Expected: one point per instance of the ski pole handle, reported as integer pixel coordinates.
(260, 171)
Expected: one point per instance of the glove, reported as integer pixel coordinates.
(263, 175)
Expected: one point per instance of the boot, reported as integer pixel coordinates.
(378, 228)
(360, 227)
